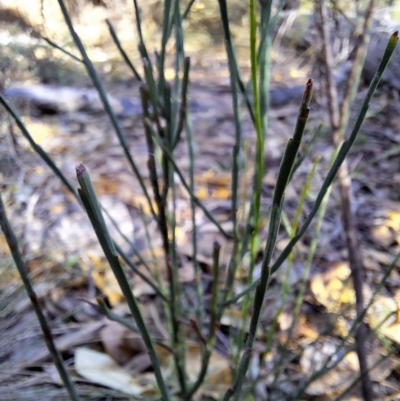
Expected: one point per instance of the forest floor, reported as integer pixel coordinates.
(67, 264)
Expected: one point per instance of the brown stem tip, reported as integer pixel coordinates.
(308, 92)
(80, 169)
(216, 245)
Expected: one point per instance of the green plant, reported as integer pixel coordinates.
(166, 116)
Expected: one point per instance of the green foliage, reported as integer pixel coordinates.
(166, 119)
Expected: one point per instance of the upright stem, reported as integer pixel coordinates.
(339, 119)
(284, 174)
(24, 274)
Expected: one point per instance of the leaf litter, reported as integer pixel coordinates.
(60, 247)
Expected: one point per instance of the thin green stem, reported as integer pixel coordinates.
(122, 51)
(208, 347)
(175, 297)
(104, 310)
(341, 155)
(259, 164)
(137, 271)
(37, 148)
(350, 333)
(196, 267)
(90, 202)
(284, 174)
(104, 99)
(24, 274)
(303, 283)
(343, 152)
(234, 80)
(142, 47)
(66, 52)
(196, 200)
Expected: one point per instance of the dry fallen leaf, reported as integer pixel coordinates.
(393, 220)
(341, 376)
(218, 373)
(40, 132)
(392, 332)
(382, 312)
(202, 193)
(333, 287)
(382, 235)
(210, 178)
(105, 280)
(221, 193)
(386, 229)
(102, 369)
(114, 339)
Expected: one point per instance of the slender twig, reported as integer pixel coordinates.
(122, 51)
(183, 108)
(48, 160)
(156, 100)
(196, 200)
(104, 99)
(232, 61)
(254, 216)
(179, 88)
(339, 118)
(37, 148)
(178, 337)
(152, 168)
(234, 76)
(330, 363)
(188, 8)
(271, 334)
(149, 239)
(340, 157)
(260, 81)
(24, 274)
(343, 152)
(309, 147)
(360, 378)
(168, 21)
(208, 343)
(205, 359)
(104, 310)
(264, 61)
(180, 83)
(142, 46)
(93, 210)
(58, 47)
(303, 284)
(191, 153)
(236, 154)
(215, 291)
(137, 271)
(284, 174)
